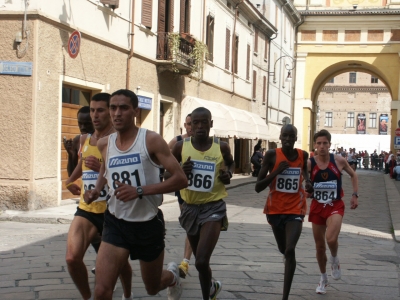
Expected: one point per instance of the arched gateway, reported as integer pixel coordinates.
(332, 41)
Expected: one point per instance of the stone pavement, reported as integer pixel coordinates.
(246, 258)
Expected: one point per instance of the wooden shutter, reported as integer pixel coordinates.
(161, 16)
(210, 37)
(266, 48)
(264, 88)
(248, 63)
(147, 13)
(182, 16)
(227, 47)
(187, 15)
(255, 40)
(254, 84)
(171, 16)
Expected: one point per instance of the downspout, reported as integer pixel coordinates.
(296, 28)
(233, 47)
(269, 68)
(204, 18)
(128, 67)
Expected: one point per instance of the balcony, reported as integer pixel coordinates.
(174, 58)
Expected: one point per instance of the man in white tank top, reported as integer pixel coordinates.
(133, 223)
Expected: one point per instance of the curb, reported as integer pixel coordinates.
(392, 195)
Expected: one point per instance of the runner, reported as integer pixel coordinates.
(327, 207)
(283, 170)
(133, 224)
(208, 165)
(87, 224)
(184, 266)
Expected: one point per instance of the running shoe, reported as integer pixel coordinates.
(94, 270)
(321, 288)
(174, 292)
(183, 269)
(217, 288)
(336, 271)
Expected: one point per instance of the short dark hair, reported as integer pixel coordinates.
(321, 133)
(189, 115)
(84, 110)
(202, 110)
(127, 93)
(102, 97)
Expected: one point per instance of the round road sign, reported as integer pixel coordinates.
(74, 44)
(397, 132)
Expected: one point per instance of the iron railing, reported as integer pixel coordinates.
(164, 51)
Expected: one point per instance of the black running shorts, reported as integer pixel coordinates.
(144, 240)
(96, 219)
(280, 220)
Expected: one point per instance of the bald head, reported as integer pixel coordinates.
(289, 127)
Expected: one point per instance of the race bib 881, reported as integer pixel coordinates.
(202, 177)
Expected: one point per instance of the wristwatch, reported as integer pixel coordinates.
(230, 174)
(355, 194)
(139, 191)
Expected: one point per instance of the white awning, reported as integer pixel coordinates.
(274, 132)
(228, 121)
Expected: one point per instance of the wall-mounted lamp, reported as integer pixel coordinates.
(287, 67)
(137, 89)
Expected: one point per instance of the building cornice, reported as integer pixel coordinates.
(350, 12)
(355, 89)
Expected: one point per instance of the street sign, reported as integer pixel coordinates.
(397, 142)
(16, 68)
(74, 44)
(397, 132)
(144, 102)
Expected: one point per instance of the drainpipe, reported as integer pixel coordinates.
(269, 68)
(233, 47)
(128, 67)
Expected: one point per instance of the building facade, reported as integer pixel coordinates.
(149, 47)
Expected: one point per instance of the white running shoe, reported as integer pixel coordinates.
(336, 271)
(174, 292)
(321, 288)
(130, 298)
(217, 288)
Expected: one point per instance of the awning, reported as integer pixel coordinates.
(274, 132)
(228, 121)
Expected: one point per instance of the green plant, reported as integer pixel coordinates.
(174, 42)
(197, 56)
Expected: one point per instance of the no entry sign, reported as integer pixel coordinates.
(74, 44)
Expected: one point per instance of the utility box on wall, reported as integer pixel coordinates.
(111, 3)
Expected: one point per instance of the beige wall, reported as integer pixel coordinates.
(342, 97)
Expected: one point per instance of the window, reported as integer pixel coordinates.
(210, 36)
(227, 47)
(332, 80)
(255, 40)
(328, 119)
(352, 77)
(74, 95)
(372, 120)
(264, 89)
(248, 63)
(147, 13)
(185, 16)
(266, 48)
(374, 79)
(254, 84)
(350, 119)
(236, 52)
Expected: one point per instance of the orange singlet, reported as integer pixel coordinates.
(286, 194)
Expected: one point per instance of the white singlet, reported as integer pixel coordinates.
(134, 167)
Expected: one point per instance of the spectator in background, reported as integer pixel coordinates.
(392, 164)
(366, 160)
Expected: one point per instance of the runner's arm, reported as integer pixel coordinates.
(354, 181)
(308, 185)
(264, 180)
(226, 174)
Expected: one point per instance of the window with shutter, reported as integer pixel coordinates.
(248, 63)
(147, 13)
(254, 84)
(227, 47)
(266, 48)
(235, 53)
(255, 40)
(184, 22)
(210, 36)
(264, 89)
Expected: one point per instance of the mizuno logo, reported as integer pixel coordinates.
(320, 185)
(90, 175)
(298, 218)
(125, 160)
(203, 166)
(291, 172)
(215, 216)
